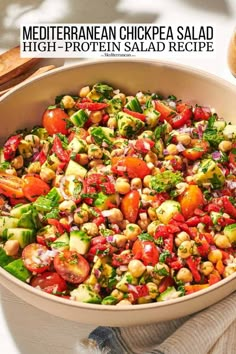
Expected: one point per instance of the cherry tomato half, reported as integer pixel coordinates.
(35, 258)
(11, 186)
(131, 166)
(190, 200)
(33, 187)
(71, 266)
(130, 205)
(146, 251)
(197, 150)
(54, 121)
(50, 282)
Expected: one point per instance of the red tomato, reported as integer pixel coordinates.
(232, 155)
(180, 119)
(165, 283)
(131, 166)
(130, 205)
(54, 121)
(35, 258)
(11, 186)
(92, 106)
(50, 282)
(71, 266)
(197, 150)
(144, 145)
(190, 200)
(166, 112)
(33, 187)
(201, 113)
(146, 251)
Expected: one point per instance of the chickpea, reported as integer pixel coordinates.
(83, 159)
(229, 269)
(90, 228)
(120, 240)
(124, 302)
(136, 268)
(81, 216)
(132, 231)
(152, 214)
(225, 146)
(185, 249)
(152, 290)
(46, 174)
(115, 215)
(150, 157)
(84, 91)
(67, 206)
(151, 229)
(222, 241)
(184, 275)
(119, 295)
(89, 139)
(95, 163)
(112, 123)
(206, 268)
(147, 181)
(17, 162)
(11, 171)
(68, 102)
(33, 140)
(25, 149)
(214, 256)
(136, 183)
(122, 97)
(94, 152)
(144, 223)
(122, 224)
(184, 139)
(11, 247)
(95, 117)
(34, 167)
(181, 236)
(122, 185)
(172, 149)
(117, 152)
(161, 269)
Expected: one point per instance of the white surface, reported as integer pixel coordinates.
(23, 328)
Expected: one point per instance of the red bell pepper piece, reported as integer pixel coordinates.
(138, 115)
(57, 148)
(201, 114)
(180, 119)
(138, 290)
(189, 289)
(10, 147)
(166, 112)
(214, 278)
(92, 106)
(229, 208)
(169, 243)
(193, 264)
(165, 283)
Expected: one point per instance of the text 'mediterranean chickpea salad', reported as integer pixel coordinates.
(120, 199)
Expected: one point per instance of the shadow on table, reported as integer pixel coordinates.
(14, 13)
(36, 332)
(217, 6)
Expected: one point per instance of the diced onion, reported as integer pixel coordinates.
(180, 147)
(143, 216)
(121, 168)
(106, 213)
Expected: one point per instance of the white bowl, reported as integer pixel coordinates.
(23, 107)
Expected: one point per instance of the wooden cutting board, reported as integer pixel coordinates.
(12, 65)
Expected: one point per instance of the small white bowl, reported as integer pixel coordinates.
(23, 107)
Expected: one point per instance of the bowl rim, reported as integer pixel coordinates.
(111, 308)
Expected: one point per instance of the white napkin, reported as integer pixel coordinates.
(211, 331)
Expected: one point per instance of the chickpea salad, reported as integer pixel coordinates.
(120, 199)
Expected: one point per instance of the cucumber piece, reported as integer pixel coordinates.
(79, 241)
(102, 135)
(115, 106)
(61, 243)
(167, 210)
(79, 118)
(85, 293)
(210, 172)
(109, 300)
(229, 131)
(4, 258)
(18, 269)
(30, 220)
(20, 210)
(152, 117)
(219, 125)
(134, 105)
(128, 125)
(6, 222)
(77, 146)
(76, 169)
(169, 294)
(23, 236)
(230, 233)
(215, 217)
(127, 278)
